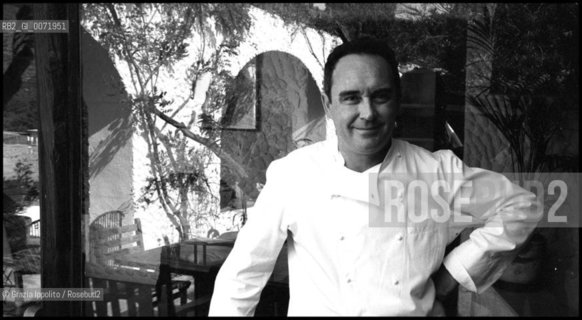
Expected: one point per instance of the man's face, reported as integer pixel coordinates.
(363, 104)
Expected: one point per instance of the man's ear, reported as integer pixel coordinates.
(326, 104)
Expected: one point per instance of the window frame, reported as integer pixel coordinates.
(63, 155)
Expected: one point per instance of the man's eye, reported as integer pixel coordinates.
(351, 99)
(381, 98)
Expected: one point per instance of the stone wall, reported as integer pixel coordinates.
(290, 110)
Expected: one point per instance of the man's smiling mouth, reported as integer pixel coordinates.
(367, 128)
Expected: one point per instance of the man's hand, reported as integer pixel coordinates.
(444, 283)
(438, 310)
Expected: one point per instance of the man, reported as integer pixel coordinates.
(330, 201)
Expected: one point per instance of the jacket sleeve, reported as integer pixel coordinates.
(506, 215)
(249, 265)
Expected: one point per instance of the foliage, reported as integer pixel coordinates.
(239, 97)
(530, 40)
(151, 39)
(20, 113)
(345, 20)
(25, 181)
(533, 88)
(434, 37)
(534, 64)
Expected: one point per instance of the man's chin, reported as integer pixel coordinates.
(372, 139)
(371, 132)
(373, 147)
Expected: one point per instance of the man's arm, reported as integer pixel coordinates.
(508, 213)
(248, 267)
(444, 283)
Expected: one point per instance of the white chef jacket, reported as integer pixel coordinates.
(344, 259)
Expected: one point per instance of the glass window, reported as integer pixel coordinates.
(188, 105)
(21, 211)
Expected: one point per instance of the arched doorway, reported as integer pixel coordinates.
(280, 111)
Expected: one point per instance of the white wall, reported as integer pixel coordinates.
(306, 44)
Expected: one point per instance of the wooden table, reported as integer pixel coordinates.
(200, 258)
(192, 257)
(152, 259)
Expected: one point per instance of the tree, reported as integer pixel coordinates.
(534, 72)
(150, 39)
(433, 36)
(344, 20)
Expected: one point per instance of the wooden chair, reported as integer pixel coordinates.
(133, 286)
(170, 262)
(24, 260)
(15, 227)
(180, 258)
(14, 266)
(33, 234)
(34, 229)
(8, 277)
(109, 241)
(274, 301)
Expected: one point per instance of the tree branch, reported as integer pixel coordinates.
(159, 180)
(212, 145)
(129, 57)
(311, 48)
(177, 110)
(164, 139)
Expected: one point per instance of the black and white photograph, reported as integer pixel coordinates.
(291, 159)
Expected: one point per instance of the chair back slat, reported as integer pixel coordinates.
(109, 219)
(135, 239)
(34, 229)
(130, 228)
(109, 238)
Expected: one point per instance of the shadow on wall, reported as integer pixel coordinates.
(110, 127)
(120, 134)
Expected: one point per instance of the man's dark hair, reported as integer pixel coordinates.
(365, 45)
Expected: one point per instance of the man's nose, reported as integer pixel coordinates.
(366, 109)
